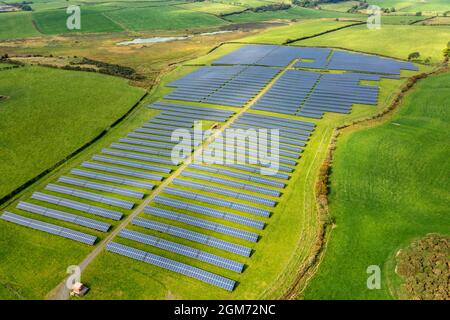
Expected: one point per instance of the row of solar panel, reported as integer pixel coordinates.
(217, 201)
(188, 234)
(202, 223)
(49, 228)
(172, 265)
(210, 212)
(225, 192)
(183, 250)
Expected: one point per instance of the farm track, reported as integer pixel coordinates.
(61, 292)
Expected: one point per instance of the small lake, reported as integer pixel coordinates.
(167, 39)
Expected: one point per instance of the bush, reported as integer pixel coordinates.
(424, 268)
(413, 56)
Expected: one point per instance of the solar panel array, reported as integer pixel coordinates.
(350, 61)
(172, 265)
(49, 228)
(230, 86)
(218, 206)
(288, 92)
(338, 92)
(273, 55)
(231, 199)
(314, 58)
(183, 250)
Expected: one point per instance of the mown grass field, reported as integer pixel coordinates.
(50, 114)
(395, 41)
(389, 186)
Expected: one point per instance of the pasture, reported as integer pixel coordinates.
(32, 140)
(398, 41)
(388, 188)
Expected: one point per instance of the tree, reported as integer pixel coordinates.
(419, 13)
(414, 56)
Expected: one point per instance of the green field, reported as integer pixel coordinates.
(390, 185)
(162, 18)
(280, 35)
(413, 6)
(49, 114)
(17, 25)
(397, 41)
(212, 7)
(292, 13)
(54, 22)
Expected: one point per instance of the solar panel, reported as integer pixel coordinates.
(49, 228)
(106, 213)
(172, 265)
(132, 164)
(64, 216)
(165, 153)
(139, 157)
(238, 175)
(219, 202)
(231, 183)
(225, 192)
(201, 223)
(126, 172)
(101, 187)
(210, 212)
(192, 235)
(90, 196)
(114, 179)
(183, 250)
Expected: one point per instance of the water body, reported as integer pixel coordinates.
(167, 39)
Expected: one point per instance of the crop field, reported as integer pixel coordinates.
(382, 200)
(29, 145)
(394, 41)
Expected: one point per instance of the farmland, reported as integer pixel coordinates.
(382, 200)
(378, 196)
(29, 145)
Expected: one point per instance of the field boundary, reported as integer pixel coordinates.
(4, 201)
(323, 32)
(322, 183)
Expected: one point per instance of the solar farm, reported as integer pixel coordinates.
(191, 209)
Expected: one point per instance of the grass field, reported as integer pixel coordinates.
(343, 6)
(49, 115)
(17, 25)
(163, 18)
(292, 13)
(212, 7)
(390, 185)
(54, 22)
(394, 41)
(413, 6)
(280, 35)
